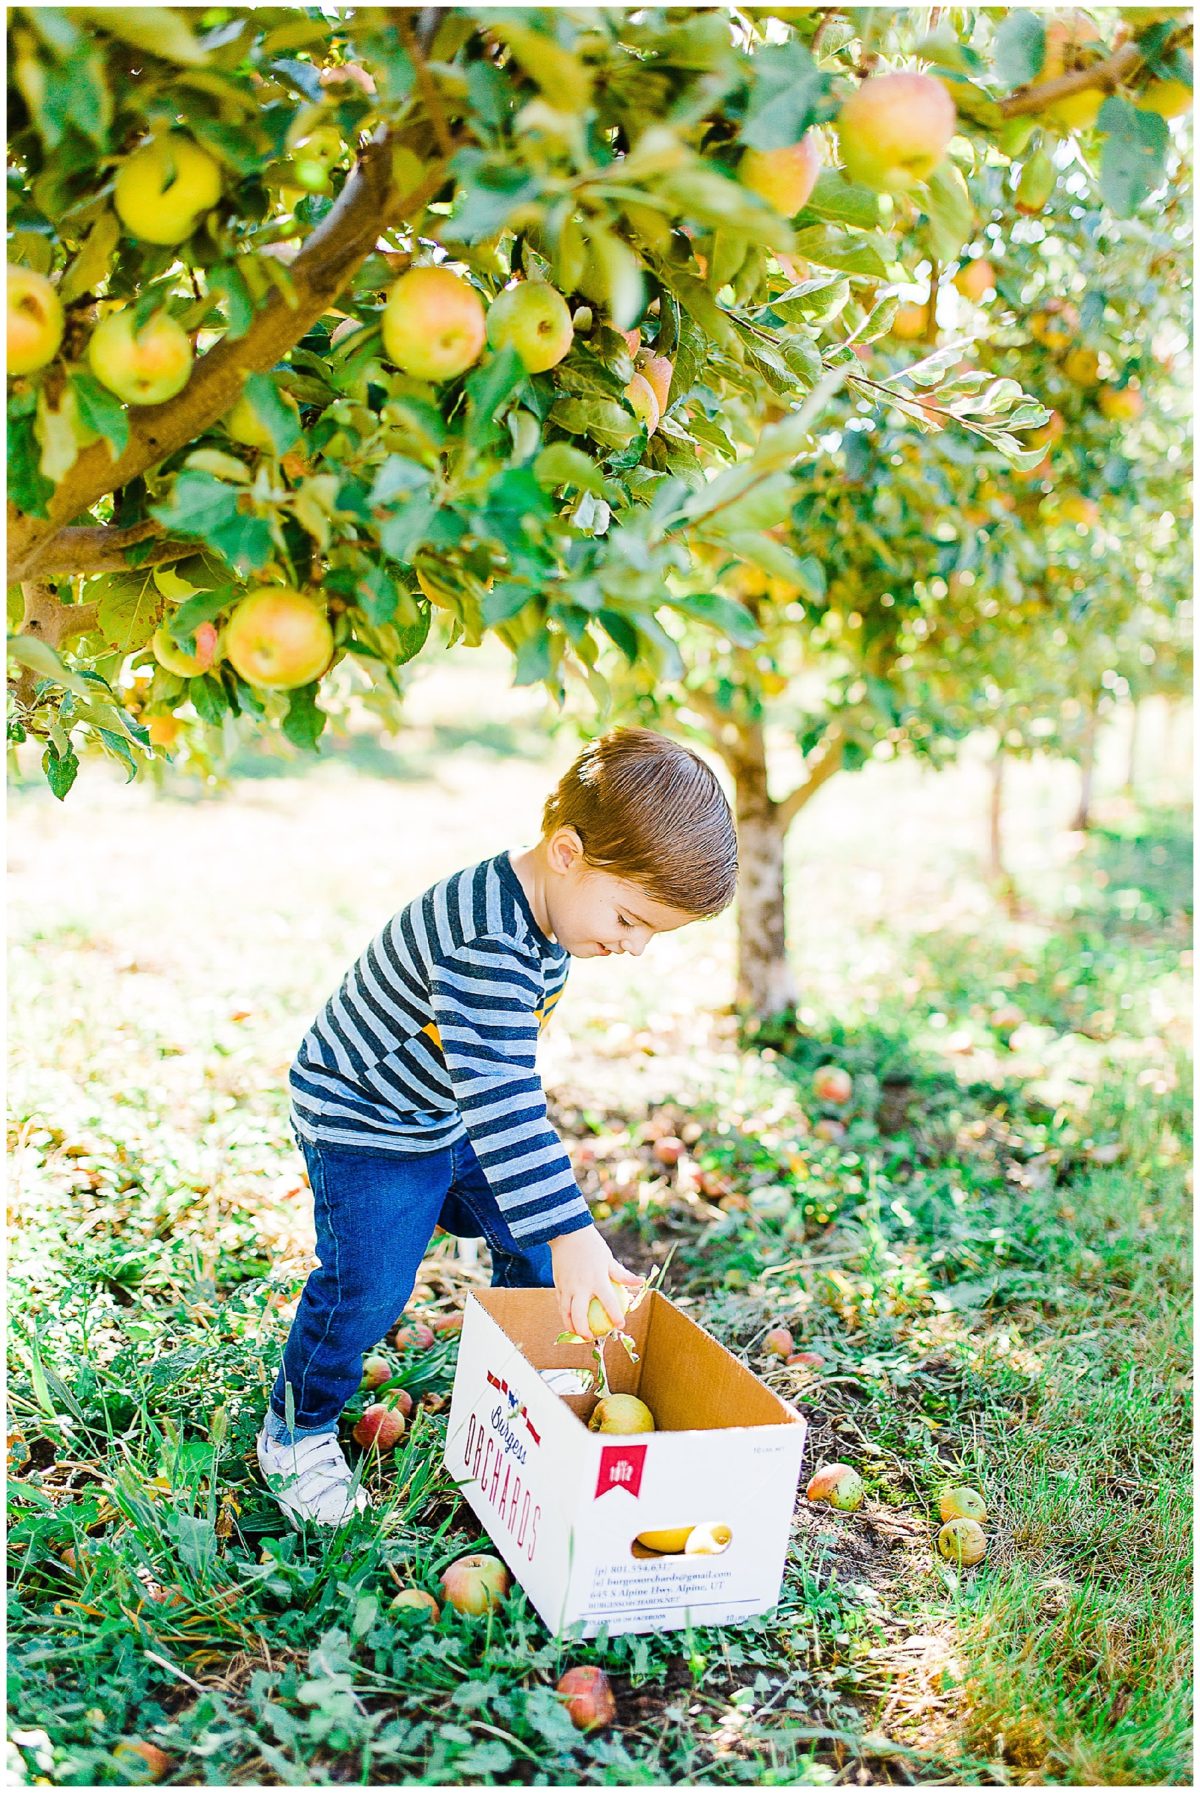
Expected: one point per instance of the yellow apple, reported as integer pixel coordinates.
(533, 319)
(1072, 42)
(1170, 99)
(784, 177)
(640, 394)
(962, 1541)
(434, 325)
(418, 1600)
(624, 1414)
(666, 1543)
(908, 325)
(709, 1539)
(975, 279)
(246, 426)
(1123, 404)
(164, 189)
(1082, 365)
(657, 370)
(618, 1302)
(894, 130)
(175, 659)
(962, 1503)
(278, 638)
(142, 367)
(35, 320)
(476, 1583)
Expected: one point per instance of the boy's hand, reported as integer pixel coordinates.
(584, 1267)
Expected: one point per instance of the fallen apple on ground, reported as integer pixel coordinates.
(588, 1697)
(476, 1583)
(415, 1335)
(380, 1428)
(778, 1342)
(963, 1503)
(154, 1762)
(962, 1541)
(375, 1371)
(839, 1484)
(621, 1414)
(669, 1151)
(809, 1360)
(417, 1600)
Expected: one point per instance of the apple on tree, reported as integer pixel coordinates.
(784, 177)
(434, 324)
(533, 319)
(142, 367)
(35, 321)
(833, 1084)
(164, 189)
(894, 130)
(278, 639)
(641, 397)
(173, 658)
(247, 427)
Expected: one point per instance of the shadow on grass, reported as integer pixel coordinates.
(404, 761)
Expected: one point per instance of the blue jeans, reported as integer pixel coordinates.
(375, 1217)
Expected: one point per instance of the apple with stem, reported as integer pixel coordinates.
(278, 638)
(476, 1583)
(894, 131)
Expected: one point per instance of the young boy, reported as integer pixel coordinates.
(415, 1097)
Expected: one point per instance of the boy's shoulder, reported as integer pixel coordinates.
(483, 902)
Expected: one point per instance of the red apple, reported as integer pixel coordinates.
(588, 1697)
(380, 1428)
(151, 1762)
(778, 1342)
(669, 1151)
(837, 1483)
(476, 1583)
(832, 1084)
(832, 1132)
(375, 1371)
(810, 1360)
(415, 1336)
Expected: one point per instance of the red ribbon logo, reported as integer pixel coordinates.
(621, 1466)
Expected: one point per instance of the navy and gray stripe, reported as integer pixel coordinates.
(433, 1032)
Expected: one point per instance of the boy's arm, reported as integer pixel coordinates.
(484, 999)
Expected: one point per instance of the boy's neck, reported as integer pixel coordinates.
(530, 870)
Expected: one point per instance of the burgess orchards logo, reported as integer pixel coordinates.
(495, 1451)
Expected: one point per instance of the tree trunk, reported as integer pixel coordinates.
(765, 985)
(1082, 819)
(998, 872)
(1131, 760)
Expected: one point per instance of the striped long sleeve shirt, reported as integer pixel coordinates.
(432, 1034)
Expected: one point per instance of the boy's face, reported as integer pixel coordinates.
(594, 913)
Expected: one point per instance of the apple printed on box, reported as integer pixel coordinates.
(715, 1483)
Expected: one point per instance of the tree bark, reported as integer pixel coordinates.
(996, 868)
(1131, 747)
(765, 985)
(1082, 819)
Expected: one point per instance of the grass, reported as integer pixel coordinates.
(992, 1264)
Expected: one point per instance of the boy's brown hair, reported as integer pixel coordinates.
(649, 810)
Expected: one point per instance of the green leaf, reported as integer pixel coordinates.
(720, 613)
(535, 660)
(91, 266)
(787, 91)
(604, 419)
(1019, 49)
(404, 531)
(832, 247)
(27, 488)
(161, 30)
(488, 193)
(61, 769)
(1133, 161)
(840, 201)
(130, 607)
(562, 465)
(205, 607)
(622, 632)
(304, 720)
(100, 411)
(202, 506)
(226, 280)
(41, 658)
(208, 697)
(489, 389)
(950, 212)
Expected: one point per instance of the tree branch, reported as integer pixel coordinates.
(819, 768)
(367, 205)
(1108, 75)
(102, 549)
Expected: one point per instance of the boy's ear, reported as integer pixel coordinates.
(564, 849)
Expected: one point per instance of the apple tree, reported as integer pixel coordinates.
(291, 388)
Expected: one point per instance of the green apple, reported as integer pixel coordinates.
(35, 320)
(164, 189)
(247, 427)
(278, 638)
(784, 177)
(142, 367)
(621, 1413)
(533, 319)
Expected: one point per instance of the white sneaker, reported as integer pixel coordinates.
(310, 1479)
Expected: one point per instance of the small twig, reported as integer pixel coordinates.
(427, 87)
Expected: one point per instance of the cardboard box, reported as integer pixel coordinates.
(563, 1506)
